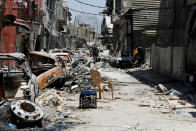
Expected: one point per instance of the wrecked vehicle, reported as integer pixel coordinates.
(64, 55)
(50, 71)
(16, 77)
(66, 61)
(18, 90)
(40, 62)
(55, 76)
(122, 59)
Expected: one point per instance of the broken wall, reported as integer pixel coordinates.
(116, 35)
(190, 37)
(169, 61)
(147, 56)
(168, 54)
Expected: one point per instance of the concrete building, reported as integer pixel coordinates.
(21, 19)
(46, 40)
(119, 11)
(9, 30)
(166, 29)
(107, 32)
(83, 31)
(34, 25)
(63, 16)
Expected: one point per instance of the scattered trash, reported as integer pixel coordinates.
(173, 98)
(11, 126)
(182, 102)
(162, 88)
(61, 126)
(58, 102)
(178, 112)
(47, 119)
(128, 127)
(144, 104)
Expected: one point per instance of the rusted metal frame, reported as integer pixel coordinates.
(55, 74)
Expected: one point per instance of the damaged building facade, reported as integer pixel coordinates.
(63, 21)
(164, 28)
(33, 25)
(106, 31)
(119, 11)
(83, 33)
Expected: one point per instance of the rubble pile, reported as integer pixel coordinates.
(57, 109)
(80, 78)
(61, 100)
(52, 97)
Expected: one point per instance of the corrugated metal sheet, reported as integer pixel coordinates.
(148, 14)
(153, 19)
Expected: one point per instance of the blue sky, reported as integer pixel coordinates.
(85, 8)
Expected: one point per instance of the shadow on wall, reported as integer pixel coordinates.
(168, 54)
(191, 39)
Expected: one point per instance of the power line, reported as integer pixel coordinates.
(90, 4)
(80, 11)
(84, 12)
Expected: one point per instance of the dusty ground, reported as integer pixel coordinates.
(125, 114)
(121, 114)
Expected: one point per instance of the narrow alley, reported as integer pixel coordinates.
(88, 65)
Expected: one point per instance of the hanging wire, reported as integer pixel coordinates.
(80, 11)
(89, 4)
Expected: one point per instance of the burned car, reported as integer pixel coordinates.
(64, 54)
(18, 90)
(65, 57)
(67, 61)
(17, 80)
(49, 71)
(40, 62)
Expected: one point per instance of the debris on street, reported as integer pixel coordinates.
(110, 65)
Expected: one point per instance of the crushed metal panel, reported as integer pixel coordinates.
(40, 53)
(18, 56)
(41, 62)
(64, 56)
(50, 76)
